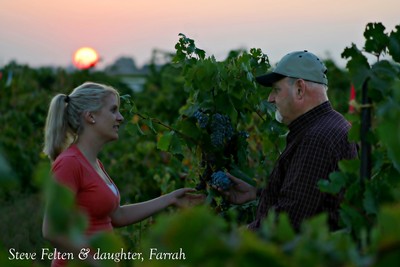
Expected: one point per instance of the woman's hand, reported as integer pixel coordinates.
(184, 197)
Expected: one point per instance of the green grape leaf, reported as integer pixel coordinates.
(63, 215)
(375, 38)
(350, 166)
(164, 141)
(139, 129)
(336, 182)
(382, 74)
(354, 132)
(189, 128)
(388, 130)
(201, 53)
(7, 175)
(267, 108)
(369, 202)
(389, 234)
(358, 65)
(176, 145)
(130, 128)
(106, 243)
(394, 44)
(352, 218)
(225, 106)
(235, 171)
(149, 123)
(353, 192)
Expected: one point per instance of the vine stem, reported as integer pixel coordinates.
(260, 115)
(167, 126)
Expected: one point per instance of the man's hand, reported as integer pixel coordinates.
(240, 192)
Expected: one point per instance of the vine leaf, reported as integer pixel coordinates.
(381, 80)
(394, 44)
(139, 129)
(149, 123)
(164, 141)
(358, 65)
(336, 182)
(369, 202)
(375, 39)
(350, 166)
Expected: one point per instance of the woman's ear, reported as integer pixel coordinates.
(88, 117)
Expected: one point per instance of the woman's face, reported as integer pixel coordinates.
(108, 119)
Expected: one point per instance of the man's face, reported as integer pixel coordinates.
(282, 95)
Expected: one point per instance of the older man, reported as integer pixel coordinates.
(316, 142)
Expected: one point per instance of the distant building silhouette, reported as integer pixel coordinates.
(126, 69)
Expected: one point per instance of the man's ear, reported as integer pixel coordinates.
(300, 88)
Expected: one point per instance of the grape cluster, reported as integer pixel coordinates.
(202, 118)
(221, 180)
(221, 129)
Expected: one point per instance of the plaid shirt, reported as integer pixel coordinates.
(316, 142)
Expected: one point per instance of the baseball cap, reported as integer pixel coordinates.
(299, 64)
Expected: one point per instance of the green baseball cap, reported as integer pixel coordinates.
(299, 64)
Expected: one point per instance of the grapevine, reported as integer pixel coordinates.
(223, 99)
(222, 96)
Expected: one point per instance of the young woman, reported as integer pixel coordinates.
(77, 127)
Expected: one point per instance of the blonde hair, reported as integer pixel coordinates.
(64, 118)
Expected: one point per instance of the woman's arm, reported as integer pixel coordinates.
(132, 213)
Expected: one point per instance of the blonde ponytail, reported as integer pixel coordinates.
(55, 135)
(64, 122)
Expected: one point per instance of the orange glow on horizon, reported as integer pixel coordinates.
(85, 58)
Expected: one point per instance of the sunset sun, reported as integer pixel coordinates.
(85, 58)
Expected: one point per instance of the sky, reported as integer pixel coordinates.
(48, 32)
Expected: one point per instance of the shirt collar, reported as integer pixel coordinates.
(309, 117)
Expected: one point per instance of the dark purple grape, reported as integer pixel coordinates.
(201, 118)
(221, 129)
(221, 180)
